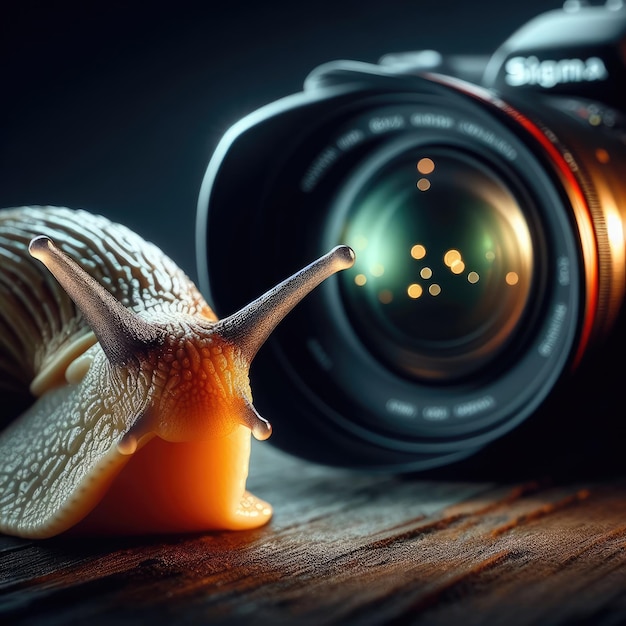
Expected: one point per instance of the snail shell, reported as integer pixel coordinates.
(128, 404)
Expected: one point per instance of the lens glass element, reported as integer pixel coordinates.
(444, 262)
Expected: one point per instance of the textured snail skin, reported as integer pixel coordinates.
(130, 409)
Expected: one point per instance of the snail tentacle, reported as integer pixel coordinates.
(258, 425)
(251, 326)
(41, 330)
(121, 333)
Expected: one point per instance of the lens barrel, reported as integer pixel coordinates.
(490, 260)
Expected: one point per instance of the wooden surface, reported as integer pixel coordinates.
(347, 549)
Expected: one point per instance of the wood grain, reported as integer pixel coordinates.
(347, 548)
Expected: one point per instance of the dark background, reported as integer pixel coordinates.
(117, 107)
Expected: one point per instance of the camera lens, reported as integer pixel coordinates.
(489, 262)
(444, 264)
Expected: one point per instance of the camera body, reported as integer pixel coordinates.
(486, 203)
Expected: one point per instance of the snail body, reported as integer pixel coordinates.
(129, 402)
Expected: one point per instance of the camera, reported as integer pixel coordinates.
(485, 198)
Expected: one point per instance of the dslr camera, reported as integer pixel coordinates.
(485, 198)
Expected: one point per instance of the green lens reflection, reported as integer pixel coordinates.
(444, 263)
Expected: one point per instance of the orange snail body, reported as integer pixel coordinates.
(129, 402)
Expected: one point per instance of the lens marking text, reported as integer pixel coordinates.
(487, 137)
(324, 160)
(400, 407)
(436, 413)
(319, 354)
(563, 271)
(431, 120)
(554, 330)
(386, 123)
(473, 407)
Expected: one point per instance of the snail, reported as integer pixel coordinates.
(127, 405)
